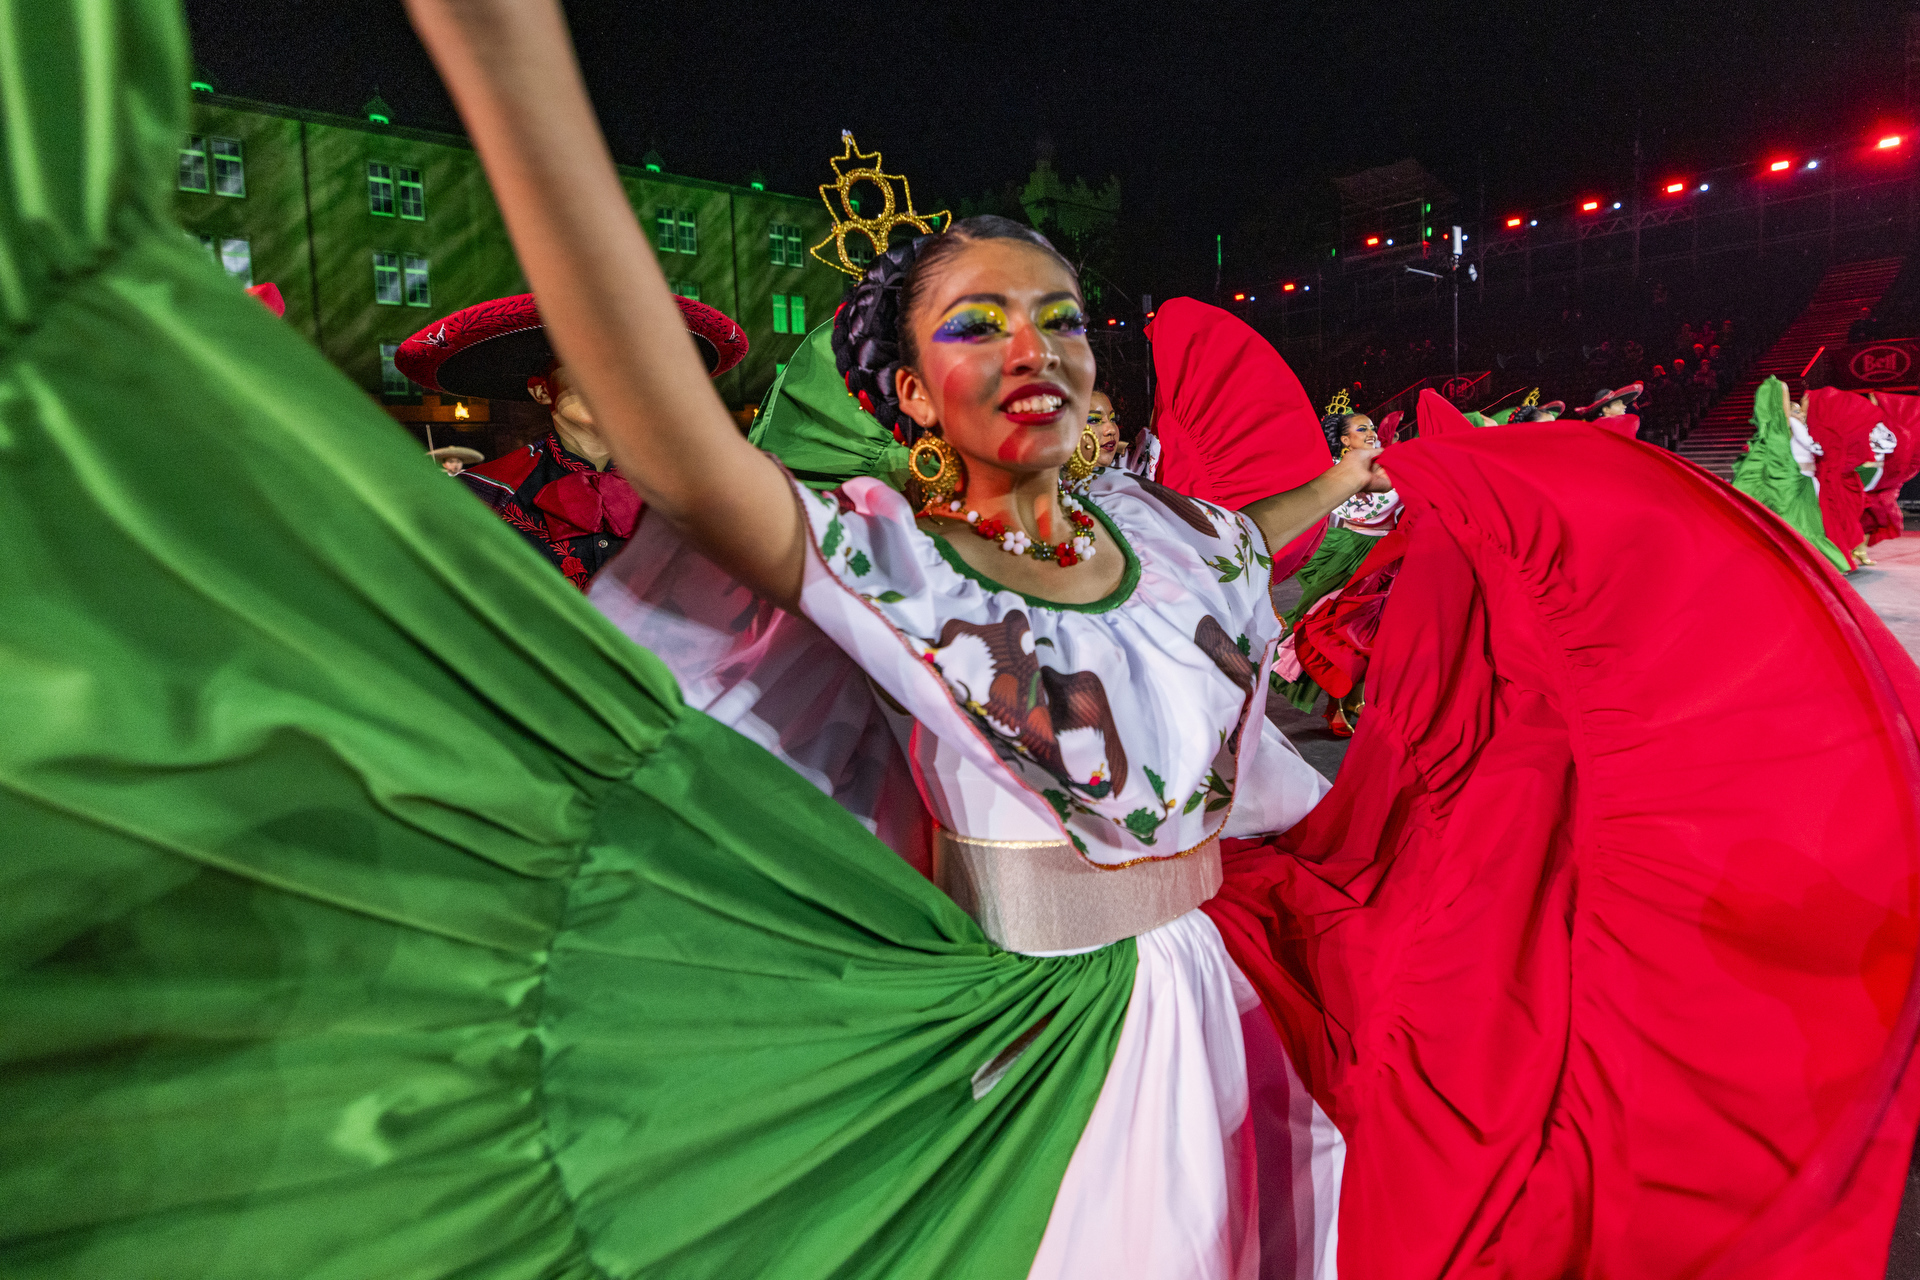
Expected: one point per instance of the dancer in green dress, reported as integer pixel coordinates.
(1777, 468)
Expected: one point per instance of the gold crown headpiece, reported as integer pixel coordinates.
(1341, 403)
(864, 166)
(1533, 399)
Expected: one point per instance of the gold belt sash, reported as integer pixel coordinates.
(1041, 895)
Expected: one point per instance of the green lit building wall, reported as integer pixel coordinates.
(305, 208)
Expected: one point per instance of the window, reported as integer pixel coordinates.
(193, 165)
(229, 169)
(674, 231)
(418, 294)
(783, 245)
(413, 194)
(789, 313)
(380, 190)
(386, 279)
(688, 289)
(392, 381)
(236, 256)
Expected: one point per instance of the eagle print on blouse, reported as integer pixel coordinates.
(1125, 716)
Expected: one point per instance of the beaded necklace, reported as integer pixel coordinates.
(1018, 542)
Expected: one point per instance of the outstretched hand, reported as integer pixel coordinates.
(1360, 470)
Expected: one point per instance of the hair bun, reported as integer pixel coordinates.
(866, 336)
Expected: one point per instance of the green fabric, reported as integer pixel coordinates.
(1767, 473)
(1501, 418)
(1478, 420)
(374, 908)
(812, 423)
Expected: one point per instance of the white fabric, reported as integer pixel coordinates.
(1121, 727)
(1371, 514)
(1162, 1185)
(1805, 448)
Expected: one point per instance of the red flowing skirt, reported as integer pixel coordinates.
(1601, 951)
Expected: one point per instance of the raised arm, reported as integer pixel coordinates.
(510, 67)
(1285, 516)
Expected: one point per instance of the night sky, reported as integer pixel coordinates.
(1212, 115)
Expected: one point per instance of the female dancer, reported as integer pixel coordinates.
(1777, 468)
(1353, 531)
(367, 924)
(1106, 425)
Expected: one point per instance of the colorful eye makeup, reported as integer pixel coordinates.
(1062, 315)
(970, 322)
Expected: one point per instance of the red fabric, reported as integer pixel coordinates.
(1625, 424)
(1840, 422)
(509, 469)
(269, 295)
(1603, 972)
(1388, 427)
(1437, 416)
(1235, 425)
(584, 502)
(1882, 517)
(1335, 643)
(1288, 560)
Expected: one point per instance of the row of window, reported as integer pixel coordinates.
(395, 189)
(675, 231)
(214, 166)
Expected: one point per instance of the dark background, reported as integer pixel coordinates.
(1217, 118)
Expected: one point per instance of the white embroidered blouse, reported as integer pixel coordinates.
(1134, 727)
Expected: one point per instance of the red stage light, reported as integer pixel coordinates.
(1888, 143)
(1113, 322)
(1675, 188)
(1239, 297)
(1372, 241)
(1780, 166)
(1589, 206)
(1513, 222)
(1286, 288)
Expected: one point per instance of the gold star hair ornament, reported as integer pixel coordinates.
(1533, 399)
(895, 211)
(1341, 403)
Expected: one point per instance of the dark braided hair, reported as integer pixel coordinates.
(1335, 425)
(872, 340)
(1528, 413)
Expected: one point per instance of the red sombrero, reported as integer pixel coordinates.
(1628, 393)
(490, 349)
(1553, 406)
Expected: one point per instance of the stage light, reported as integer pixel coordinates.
(1534, 223)
(1813, 164)
(1675, 188)
(1306, 288)
(1114, 322)
(1286, 288)
(1589, 206)
(1780, 166)
(1616, 204)
(1239, 297)
(1888, 143)
(1372, 241)
(1389, 244)
(1513, 222)
(1705, 187)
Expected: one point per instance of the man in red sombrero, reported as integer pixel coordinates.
(560, 491)
(1609, 410)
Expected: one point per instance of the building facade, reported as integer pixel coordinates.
(371, 230)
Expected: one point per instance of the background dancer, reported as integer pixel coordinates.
(1777, 468)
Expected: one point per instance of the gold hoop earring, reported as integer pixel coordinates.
(1086, 457)
(936, 475)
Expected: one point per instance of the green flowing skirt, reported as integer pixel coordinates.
(1767, 473)
(374, 908)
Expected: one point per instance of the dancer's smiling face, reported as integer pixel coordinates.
(1360, 433)
(1001, 362)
